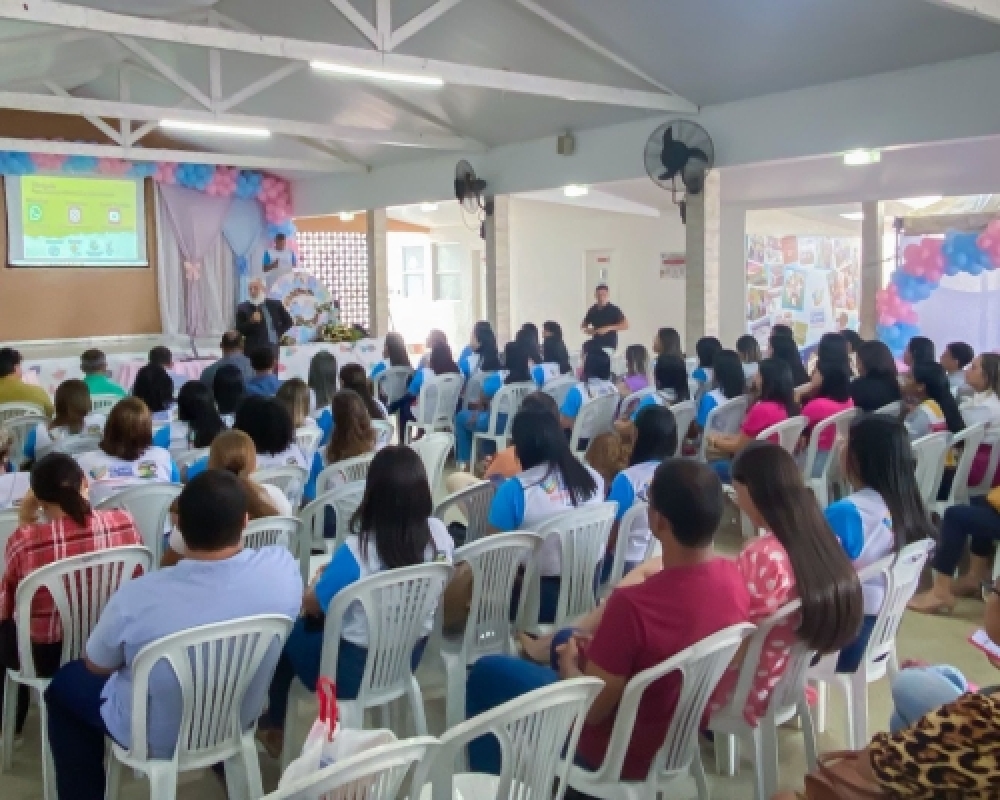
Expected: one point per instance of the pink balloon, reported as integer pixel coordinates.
(887, 320)
(48, 161)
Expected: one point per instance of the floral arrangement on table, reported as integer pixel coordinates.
(335, 332)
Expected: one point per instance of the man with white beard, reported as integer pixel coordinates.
(261, 320)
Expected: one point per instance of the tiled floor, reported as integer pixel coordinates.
(935, 639)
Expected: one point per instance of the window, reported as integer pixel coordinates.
(448, 272)
(413, 272)
(340, 260)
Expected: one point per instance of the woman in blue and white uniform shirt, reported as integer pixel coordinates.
(322, 381)
(671, 380)
(434, 338)
(154, 386)
(469, 422)
(197, 424)
(882, 516)
(728, 382)
(229, 389)
(478, 360)
(595, 381)
(394, 354)
(73, 417)
(706, 349)
(393, 529)
(553, 481)
(555, 361)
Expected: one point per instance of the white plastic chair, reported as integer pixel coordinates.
(724, 418)
(628, 405)
(931, 452)
(103, 403)
(788, 431)
(787, 701)
(75, 445)
(633, 531)
(596, 416)
(582, 538)
(344, 500)
(891, 409)
(80, 587)
(307, 438)
(972, 437)
(820, 484)
(700, 667)
(494, 562)
(383, 432)
(348, 470)
(9, 411)
(436, 405)
(532, 731)
(270, 531)
(901, 576)
(8, 524)
(684, 413)
(375, 774)
(397, 604)
(214, 666)
(149, 505)
(506, 401)
(473, 503)
(20, 428)
(392, 383)
(433, 450)
(187, 458)
(559, 387)
(290, 479)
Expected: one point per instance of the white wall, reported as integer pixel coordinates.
(548, 242)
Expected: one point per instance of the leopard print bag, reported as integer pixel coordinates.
(952, 753)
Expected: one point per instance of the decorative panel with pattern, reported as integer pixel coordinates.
(340, 260)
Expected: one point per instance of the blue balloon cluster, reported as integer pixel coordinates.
(287, 228)
(143, 169)
(195, 176)
(15, 163)
(248, 184)
(897, 336)
(911, 288)
(80, 165)
(962, 254)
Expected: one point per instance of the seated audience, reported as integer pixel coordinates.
(198, 421)
(352, 435)
(322, 382)
(394, 354)
(955, 358)
(936, 409)
(983, 380)
(553, 482)
(595, 381)
(784, 348)
(667, 342)
(229, 389)
(127, 456)
(13, 389)
(434, 338)
(527, 338)
(706, 348)
(830, 396)
(832, 357)
(294, 396)
(352, 376)
(469, 358)
(555, 359)
(608, 453)
(269, 425)
(636, 375)
(90, 699)
(782, 330)
(264, 381)
(161, 356)
(919, 350)
(878, 383)
(693, 596)
(854, 344)
(232, 355)
(13, 484)
(55, 521)
(94, 366)
(440, 362)
(883, 515)
(393, 528)
(749, 349)
(728, 383)
(671, 380)
(156, 389)
(73, 417)
(479, 360)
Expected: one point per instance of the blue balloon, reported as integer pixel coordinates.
(143, 169)
(80, 164)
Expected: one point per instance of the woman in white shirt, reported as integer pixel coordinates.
(555, 361)
(73, 418)
(198, 421)
(126, 456)
(595, 381)
(154, 386)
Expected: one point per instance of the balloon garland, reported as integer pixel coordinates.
(924, 264)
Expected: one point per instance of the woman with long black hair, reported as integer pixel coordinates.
(555, 361)
(785, 349)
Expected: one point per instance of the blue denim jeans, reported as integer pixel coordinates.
(919, 690)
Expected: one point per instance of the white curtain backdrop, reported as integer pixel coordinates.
(169, 274)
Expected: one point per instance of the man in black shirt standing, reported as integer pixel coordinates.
(604, 320)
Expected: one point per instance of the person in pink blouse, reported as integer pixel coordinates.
(831, 397)
(798, 558)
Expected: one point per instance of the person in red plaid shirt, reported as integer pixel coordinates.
(68, 527)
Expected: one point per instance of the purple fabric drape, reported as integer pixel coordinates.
(197, 220)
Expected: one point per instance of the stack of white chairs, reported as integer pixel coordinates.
(307, 438)
(596, 416)
(505, 402)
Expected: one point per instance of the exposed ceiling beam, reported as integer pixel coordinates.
(258, 86)
(165, 70)
(357, 19)
(73, 16)
(174, 156)
(984, 9)
(97, 122)
(421, 21)
(383, 24)
(112, 108)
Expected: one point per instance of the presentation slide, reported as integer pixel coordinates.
(66, 221)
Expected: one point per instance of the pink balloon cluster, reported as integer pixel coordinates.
(113, 166)
(166, 173)
(989, 241)
(50, 162)
(276, 196)
(925, 259)
(891, 308)
(223, 183)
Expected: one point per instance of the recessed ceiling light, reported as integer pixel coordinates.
(860, 158)
(208, 127)
(346, 216)
(917, 203)
(854, 216)
(426, 81)
(427, 208)
(573, 190)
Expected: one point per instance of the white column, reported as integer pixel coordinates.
(872, 230)
(733, 278)
(378, 274)
(498, 268)
(703, 254)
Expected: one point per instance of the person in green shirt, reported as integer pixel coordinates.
(13, 389)
(94, 365)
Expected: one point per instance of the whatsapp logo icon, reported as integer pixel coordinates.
(35, 212)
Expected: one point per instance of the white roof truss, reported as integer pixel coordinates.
(985, 9)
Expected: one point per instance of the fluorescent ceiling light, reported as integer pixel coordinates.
(208, 127)
(346, 216)
(575, 191)
(428, 81)
(859, 158)
(854, 216)
(427, 208)
(917, 203)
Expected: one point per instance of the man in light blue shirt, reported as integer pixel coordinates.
(264, 381)
(217, 581)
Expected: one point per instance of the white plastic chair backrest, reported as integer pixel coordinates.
(788, 433)
(103, 403)
(268, 531)
(307, 438)
(534, 731)
(972, 437)
(439, 400)
(375, 774)
(633, 527)
(74, 445)
(724, 418)
(473, 502)
(290, 479)
(931, 452)
(494, 562)
(392, 382)
(347, 471)
(80, 587)
(507, 401)
(383, 432)
(397, 603)
(188, 457)
(596, 416)
(8, 524)
(583, 537)
(627, 407)
(19, 428)
(891, 409)
(701, 666)
(842, 421)
(433, 450)
(690, 364)
(344, 500)
(214, 666)
(559, 387)
(901, 575)
(9, 411)
(149, 506)
(684, 414)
